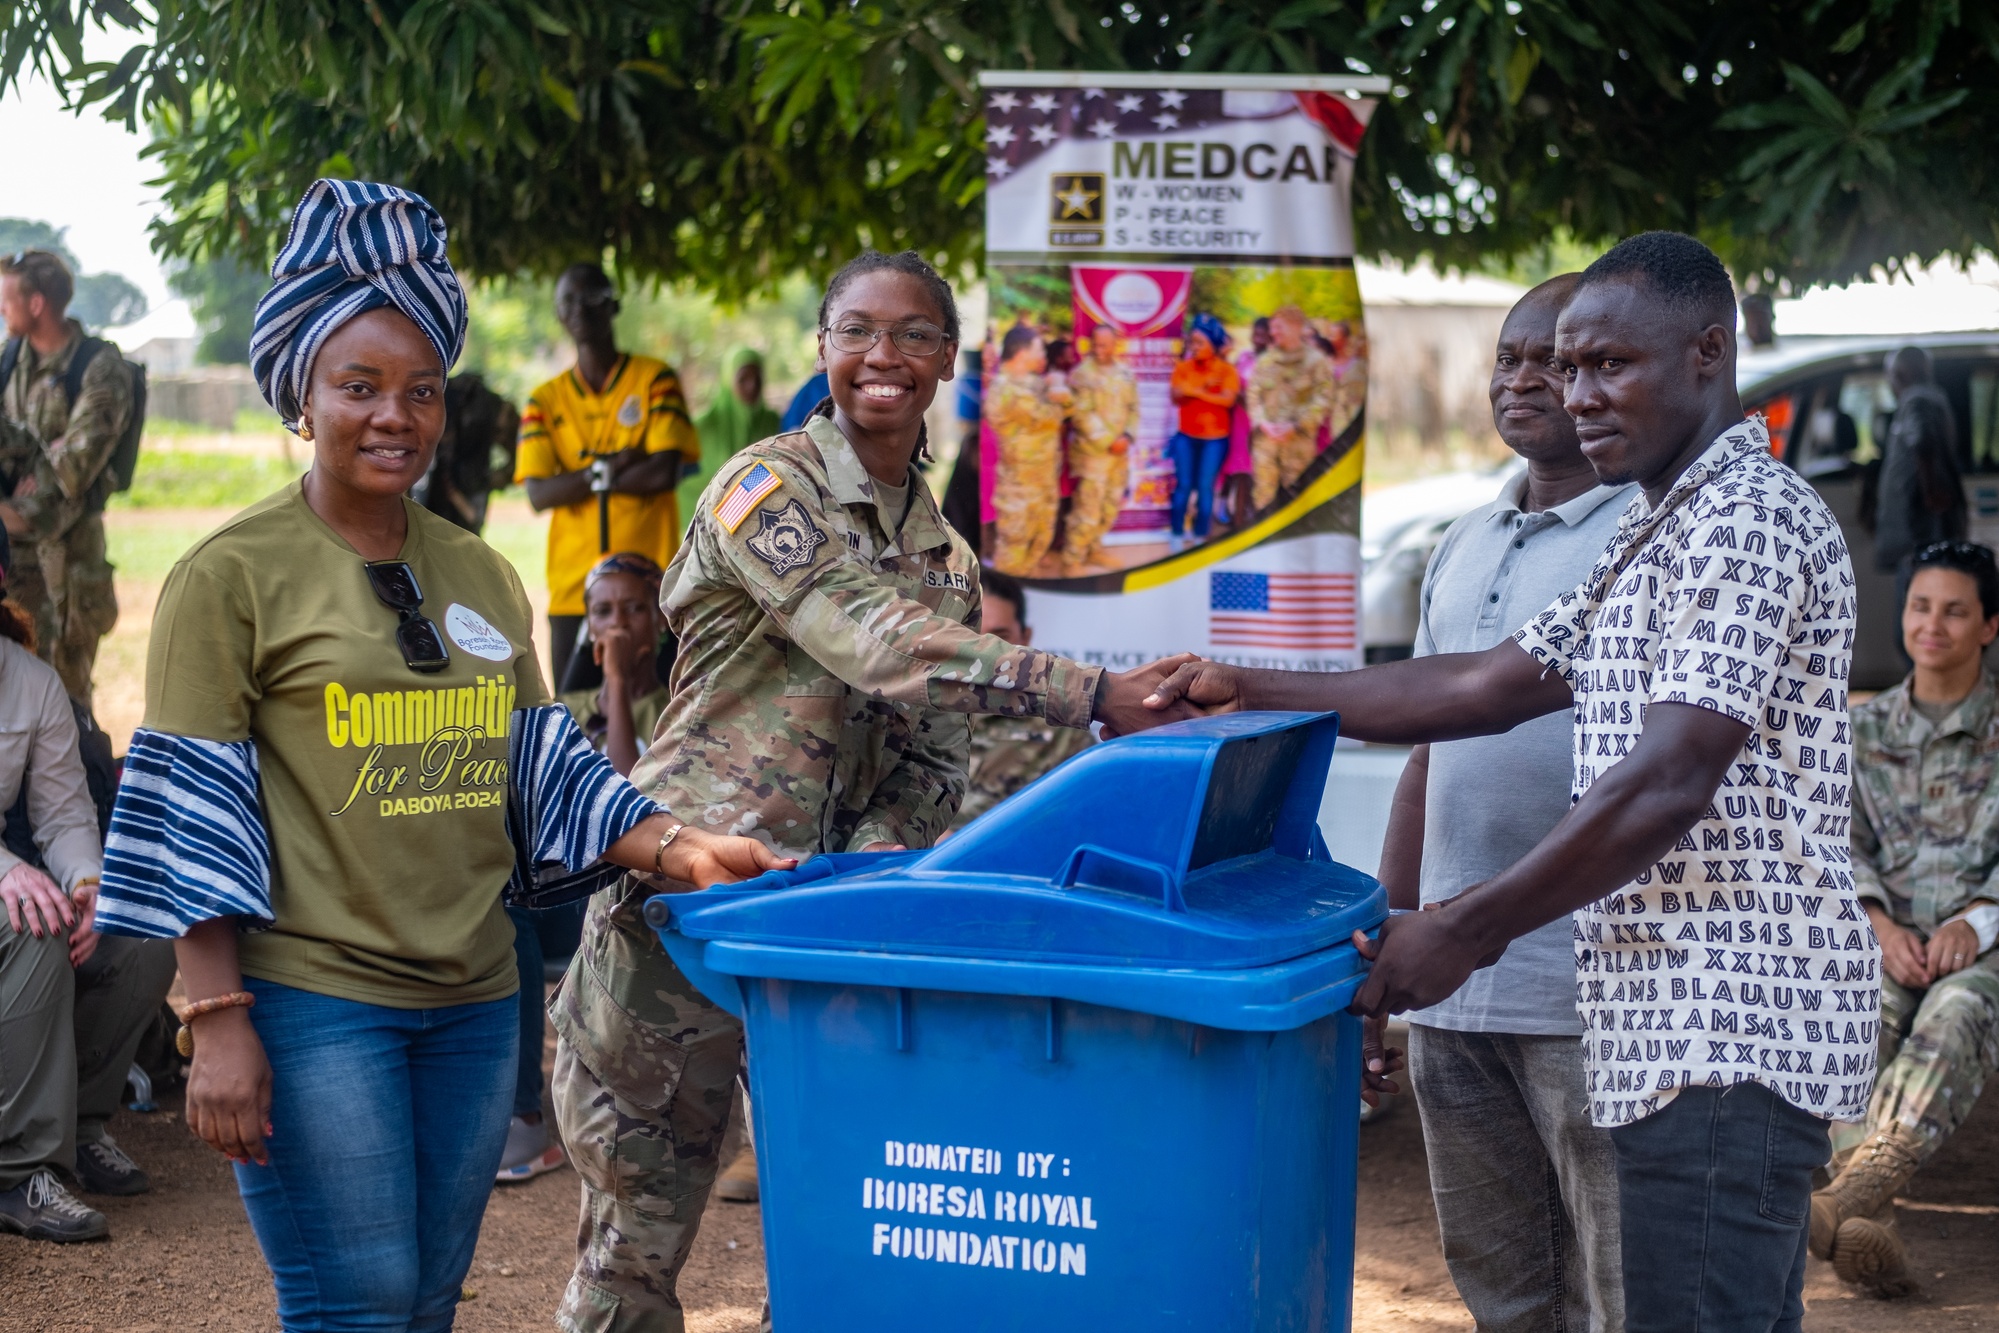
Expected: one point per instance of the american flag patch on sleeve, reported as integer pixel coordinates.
(749, 490)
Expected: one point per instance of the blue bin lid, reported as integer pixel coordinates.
(1192, 846)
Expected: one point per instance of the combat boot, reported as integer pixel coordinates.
(1868, 1252)
(1877, 1169)
(738, 1184)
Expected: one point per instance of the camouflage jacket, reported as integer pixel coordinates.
(826, 662)
(1291, 387)
(1106, 404)
(41, 504)
(1026, 414)
(1925, 806)
(1007, 754)
(78, 439)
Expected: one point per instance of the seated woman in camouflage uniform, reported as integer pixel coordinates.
(829, 658)
(1925, 848)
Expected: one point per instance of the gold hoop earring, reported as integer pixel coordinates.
(305, 431)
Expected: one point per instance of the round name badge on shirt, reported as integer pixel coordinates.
(629, 411)
(470, 631)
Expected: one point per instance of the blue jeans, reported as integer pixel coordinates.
(538, 937)
(1525, 1186)
(1196, 464)
(1716, 1193)
(387, 1127)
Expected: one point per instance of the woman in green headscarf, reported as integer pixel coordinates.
(735, 419)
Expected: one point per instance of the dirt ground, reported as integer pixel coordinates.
(182, 1257)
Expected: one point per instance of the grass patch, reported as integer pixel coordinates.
(176, 479)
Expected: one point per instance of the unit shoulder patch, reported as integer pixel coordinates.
(787, 538)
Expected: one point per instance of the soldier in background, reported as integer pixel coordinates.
(1290, 396)
(1027, 414)
(1105, 417)
(1925, 844)
(73, 601)
(1010, 752)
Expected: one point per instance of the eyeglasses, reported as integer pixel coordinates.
(1971, 551)
(856, 336)
(395, 585)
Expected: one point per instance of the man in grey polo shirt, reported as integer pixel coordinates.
(1498, 1067)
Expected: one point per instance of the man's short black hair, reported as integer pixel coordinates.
(1911, 365)
(1017, 340)
(590, 276)
(1966, 558)
(992, 583)
(1690, 277)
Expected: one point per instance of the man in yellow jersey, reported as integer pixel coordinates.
(626, 416)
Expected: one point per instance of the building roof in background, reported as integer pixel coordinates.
(170, 319)
(1939, 299)
(1420, 284)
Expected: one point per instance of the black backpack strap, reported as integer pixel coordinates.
(9, 358)
(72, 378)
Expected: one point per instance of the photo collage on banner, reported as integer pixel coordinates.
(1175, 363)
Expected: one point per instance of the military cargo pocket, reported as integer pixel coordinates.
(638, 1063)
(657, 1160)
(803, 676)
(97, 599)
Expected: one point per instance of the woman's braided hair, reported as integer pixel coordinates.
(916, 266)
(904, 261)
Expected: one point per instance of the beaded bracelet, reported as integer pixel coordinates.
(184, 1039)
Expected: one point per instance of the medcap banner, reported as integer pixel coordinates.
(1176, 363)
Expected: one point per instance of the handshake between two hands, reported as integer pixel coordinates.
(1169, 690)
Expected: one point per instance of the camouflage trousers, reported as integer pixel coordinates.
(1025, 498)
(644, 1072)
(1938, 1046)
(67, 588)
(1275, 463)
(1100, 483)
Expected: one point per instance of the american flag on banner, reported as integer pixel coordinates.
(1294, 611)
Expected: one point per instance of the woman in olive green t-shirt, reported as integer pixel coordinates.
(341, 696)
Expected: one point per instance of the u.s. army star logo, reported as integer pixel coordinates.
(786, 538)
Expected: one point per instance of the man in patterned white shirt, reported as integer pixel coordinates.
(1727, 978)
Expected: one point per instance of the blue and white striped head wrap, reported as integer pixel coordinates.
(1209, 327)
(354, 246)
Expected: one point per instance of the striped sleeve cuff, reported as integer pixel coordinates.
(187, 841)
(574, 804)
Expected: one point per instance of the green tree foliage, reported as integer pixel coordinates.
(733, 141)
(515, 342)
(102, 300)
(223, 294)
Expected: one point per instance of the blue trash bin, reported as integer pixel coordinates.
(1084, 1066)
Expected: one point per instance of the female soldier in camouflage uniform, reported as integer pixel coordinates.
(828, 661)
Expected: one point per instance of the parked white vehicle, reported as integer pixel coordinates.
(1399, 528)
(1803, 387)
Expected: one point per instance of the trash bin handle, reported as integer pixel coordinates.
(1093, 867)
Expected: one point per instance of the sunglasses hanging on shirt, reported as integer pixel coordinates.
(417, 635)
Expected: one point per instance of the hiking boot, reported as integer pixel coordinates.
(528, 1153)
(41, 1209)
(739, 1183)
(1868, 1252)
(1877, 1169)
(103, 1168)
